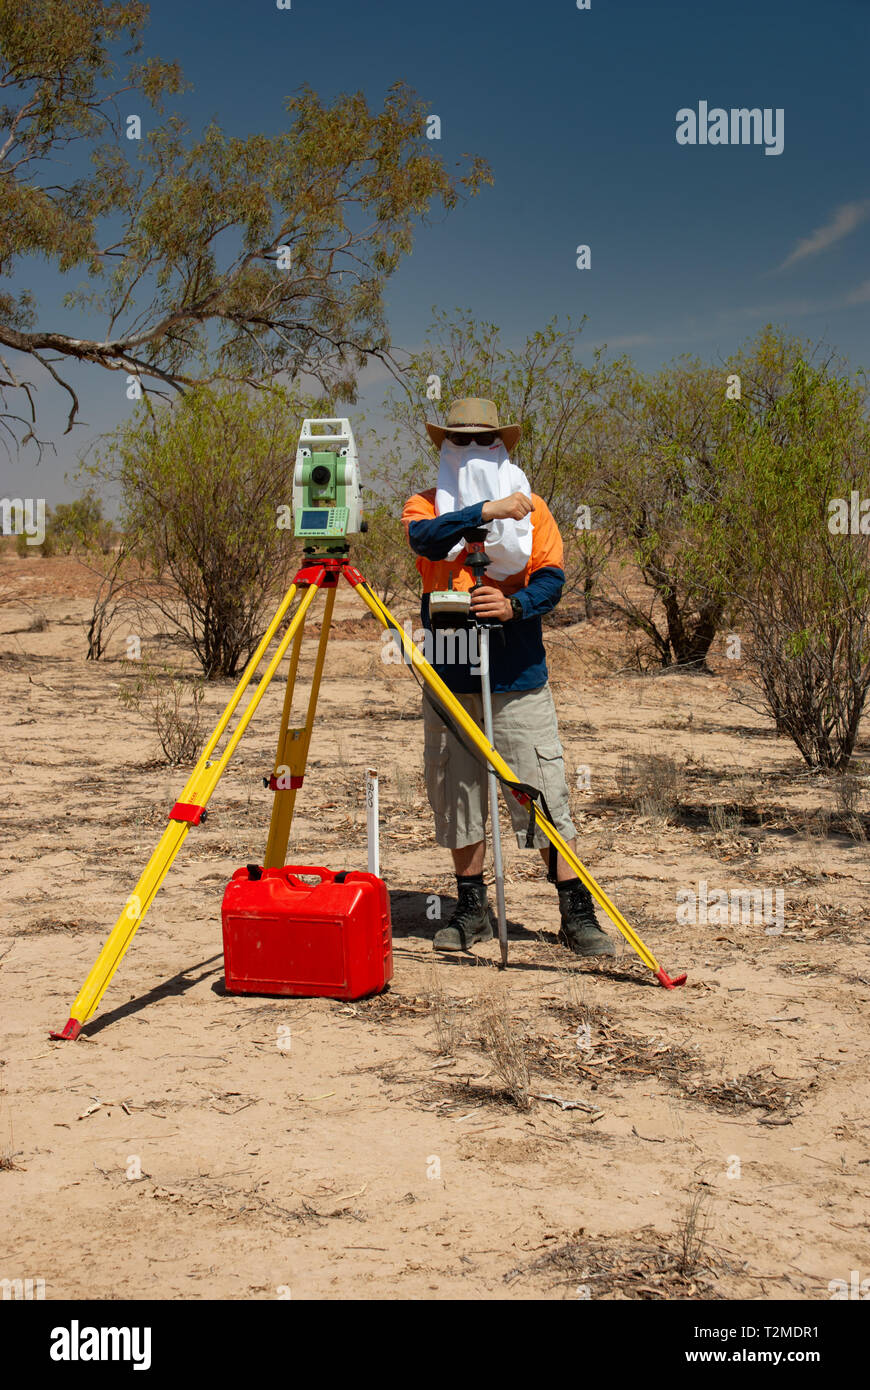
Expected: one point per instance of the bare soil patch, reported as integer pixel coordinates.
(543, 1133)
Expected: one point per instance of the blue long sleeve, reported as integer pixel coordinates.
(542, 592)
(436, 538)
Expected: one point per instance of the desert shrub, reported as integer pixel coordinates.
(80, 525)
(650, 783)
(27, 550)
(383, 554)
(203, 484)
(804, 572)
(848, 790)
(173, 703)
(119, 584)
(445, 1016)
(692, 1233)
(663, 457)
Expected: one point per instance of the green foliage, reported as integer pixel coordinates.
(806, 587)
(663, 454)
(80, 525)
(26, 549)
(181, 237)
(719, 500)
(201, 484)
(543, 384)
(383, 553)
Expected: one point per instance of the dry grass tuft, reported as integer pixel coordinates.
(692, 1235)
(626, 1267)
(506, 1045)
(445, 1016)
(651, 783)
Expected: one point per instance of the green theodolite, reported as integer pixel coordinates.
(327, 497)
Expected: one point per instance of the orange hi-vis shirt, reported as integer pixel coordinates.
(547, 549)
(518, 660)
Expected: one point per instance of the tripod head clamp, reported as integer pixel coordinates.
(475, 541)
(477, 561)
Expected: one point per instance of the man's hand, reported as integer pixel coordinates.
(487, 602)
(512, 508)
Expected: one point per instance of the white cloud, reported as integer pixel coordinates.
(690, 331)
(842, 222)
(861, 295)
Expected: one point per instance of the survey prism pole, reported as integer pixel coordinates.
(372, 828)
(492, 781)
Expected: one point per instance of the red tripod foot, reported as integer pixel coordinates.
(664, 979)
(71, 1031)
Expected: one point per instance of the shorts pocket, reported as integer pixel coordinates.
(436, 756)
(551, 773)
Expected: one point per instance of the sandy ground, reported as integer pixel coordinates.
(182, 1149)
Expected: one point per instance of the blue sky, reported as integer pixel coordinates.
(692, 248)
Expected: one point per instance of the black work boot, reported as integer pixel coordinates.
(470, 922)
(580, 930)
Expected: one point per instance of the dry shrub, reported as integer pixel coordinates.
(7, 1140)
(649, 782)
(445, 1016)
(173, 703)
(721, 823)
(847, 794)
(692, 1235)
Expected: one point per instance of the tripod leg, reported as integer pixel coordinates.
(293, 744)
(247, 676)
(461, 717)
(284, 732)
(213, 772)
(188, 810)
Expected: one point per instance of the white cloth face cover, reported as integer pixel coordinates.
(473, 473)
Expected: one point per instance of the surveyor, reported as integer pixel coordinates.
(479, 486)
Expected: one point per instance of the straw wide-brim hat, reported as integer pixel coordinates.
(472, 416)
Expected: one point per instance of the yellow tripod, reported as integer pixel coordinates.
(290, 761)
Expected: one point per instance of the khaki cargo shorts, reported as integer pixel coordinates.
(526, 733)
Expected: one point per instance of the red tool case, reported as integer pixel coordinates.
(285, 936)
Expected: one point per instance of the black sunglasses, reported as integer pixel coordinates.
(486, 437)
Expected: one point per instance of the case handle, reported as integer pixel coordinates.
(326, 876)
